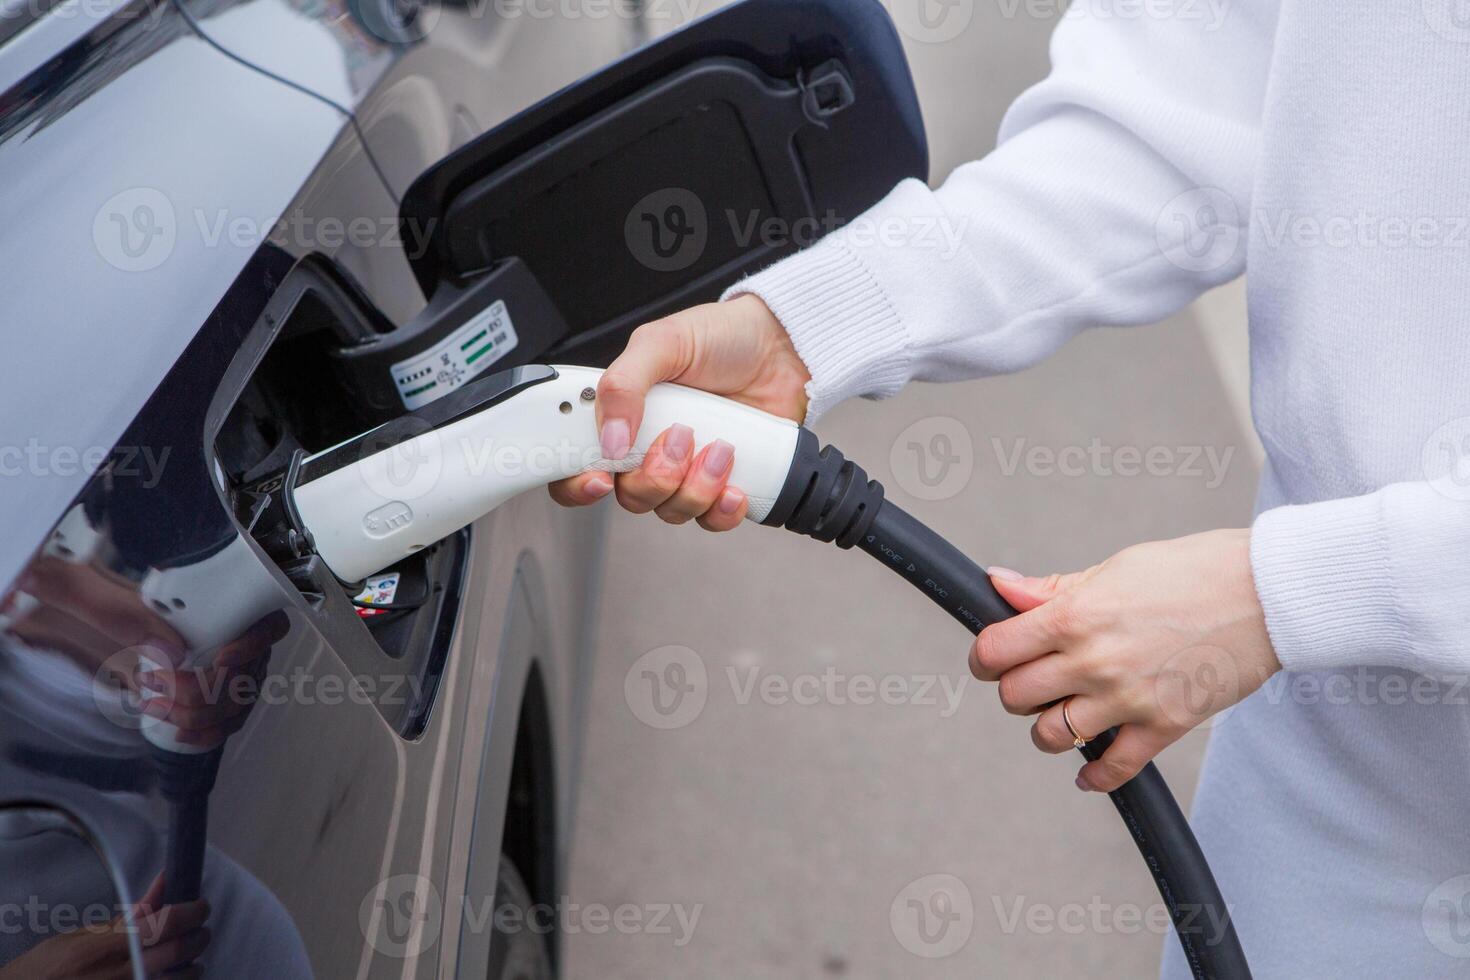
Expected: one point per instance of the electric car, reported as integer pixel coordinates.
(239, 233)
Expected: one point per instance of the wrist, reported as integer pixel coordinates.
(1249, 600)
(785, 357)
(839, 322)
(783, 372)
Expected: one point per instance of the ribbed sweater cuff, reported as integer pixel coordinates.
(1325, 576)
(841, 323)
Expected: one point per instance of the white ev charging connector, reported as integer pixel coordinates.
(188, 599)
(376, 499)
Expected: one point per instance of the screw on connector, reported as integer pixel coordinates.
(589, 394)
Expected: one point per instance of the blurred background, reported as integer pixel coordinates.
(836, 797)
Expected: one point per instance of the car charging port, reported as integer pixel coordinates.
(296, 397)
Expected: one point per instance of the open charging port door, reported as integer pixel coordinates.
(657, 182)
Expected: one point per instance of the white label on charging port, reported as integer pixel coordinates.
(457, 359)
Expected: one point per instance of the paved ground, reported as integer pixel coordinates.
(831, 753)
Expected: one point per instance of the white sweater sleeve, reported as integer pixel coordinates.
(1373, 580)
(1118, 194)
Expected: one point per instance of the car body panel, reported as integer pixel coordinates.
(475, 69)
(321, 47)
(104, 134)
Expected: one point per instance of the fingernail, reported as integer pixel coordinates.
(616, 439)
(717, 459)
(599, 487)
(1004, 574)
(1083, 784)
(730, 501)
(678, 443)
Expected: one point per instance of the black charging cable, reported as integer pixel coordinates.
(831, 499)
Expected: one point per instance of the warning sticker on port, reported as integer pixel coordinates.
(457, 359)
(379, 590)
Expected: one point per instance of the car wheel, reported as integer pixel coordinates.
(518, 949)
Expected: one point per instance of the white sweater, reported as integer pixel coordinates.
(1324, 147)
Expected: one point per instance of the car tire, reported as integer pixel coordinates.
(520, 952)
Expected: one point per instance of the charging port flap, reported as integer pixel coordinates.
(656, 182)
